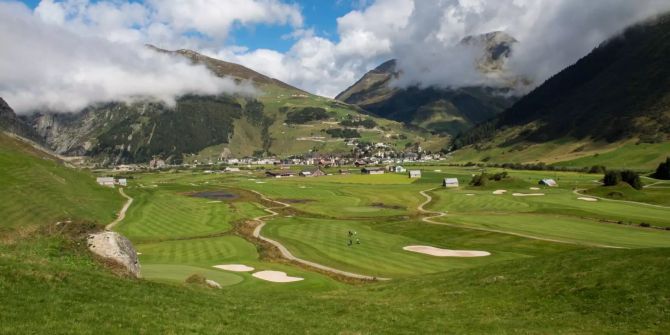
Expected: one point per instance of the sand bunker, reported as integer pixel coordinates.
(276, 276)
(234, 267)
(422, 249)
(499, 192)
(528, 194)
(469, 194)
(260, 182)
(588, 199)
(535, 188)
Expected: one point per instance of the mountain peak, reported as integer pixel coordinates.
(227, 69)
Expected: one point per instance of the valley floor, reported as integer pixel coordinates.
(553, 257)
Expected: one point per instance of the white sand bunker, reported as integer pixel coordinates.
(234, 267)
(422, 249)
(535, 188)
(260, 182)
(588, 199)
(528, 194)
(499, 192)
(276, 276)
(470, 194)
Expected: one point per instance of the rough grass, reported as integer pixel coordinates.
(37, 189)
(49, 282)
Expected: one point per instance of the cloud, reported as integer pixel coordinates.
(552, 35)
(424, 36)
(46, 67)
(323, 66)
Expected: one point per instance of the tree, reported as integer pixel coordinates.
(612, 178)
(663, 170)
(479, 180)
(632, 178)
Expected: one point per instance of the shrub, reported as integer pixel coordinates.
(663, 170)
(612, 178)
(479, 180)
(598, 169)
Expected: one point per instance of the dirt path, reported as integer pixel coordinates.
(287, 254)
(122, 212)
(430, 219)
(578, 192)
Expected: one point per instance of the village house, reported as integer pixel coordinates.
(280, 174)
(415, 174)
(548, 182)
(231, 169)
(360, 162)
(122, 182)
(450, 182)
(372, 170)
(399, 169)
(343, 172)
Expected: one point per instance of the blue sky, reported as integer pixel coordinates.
(319, 15)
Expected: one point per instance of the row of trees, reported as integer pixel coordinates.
(483, 178)
(367, 123)
(632, 178)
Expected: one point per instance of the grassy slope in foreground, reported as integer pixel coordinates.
(599, 291)
(37, 189)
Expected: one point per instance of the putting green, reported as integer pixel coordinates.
(178, 273)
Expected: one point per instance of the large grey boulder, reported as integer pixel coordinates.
(114, 246)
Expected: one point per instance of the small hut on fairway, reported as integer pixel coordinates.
(280, 174)
(548, 182)
(399, 169)
(414, 174)
(450, 182)
(312, 173)
(106, 181)
(369, 170)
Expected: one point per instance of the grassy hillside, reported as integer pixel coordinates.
(586, 109)
(549, 294)
(38, 190)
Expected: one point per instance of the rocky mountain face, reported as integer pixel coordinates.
(13, 124)
(621, 90)
(440, 110)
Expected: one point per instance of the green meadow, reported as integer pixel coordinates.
(557, 264)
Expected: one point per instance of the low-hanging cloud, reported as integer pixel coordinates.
(44, 67)
(551, 34)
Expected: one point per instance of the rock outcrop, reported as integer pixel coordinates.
(113, 246)
(212, 284)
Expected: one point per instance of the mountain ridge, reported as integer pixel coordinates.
(440, 110)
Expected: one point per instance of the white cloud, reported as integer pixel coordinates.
(215, 18)
(552, 34)
(43, 66)
(423, 35)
